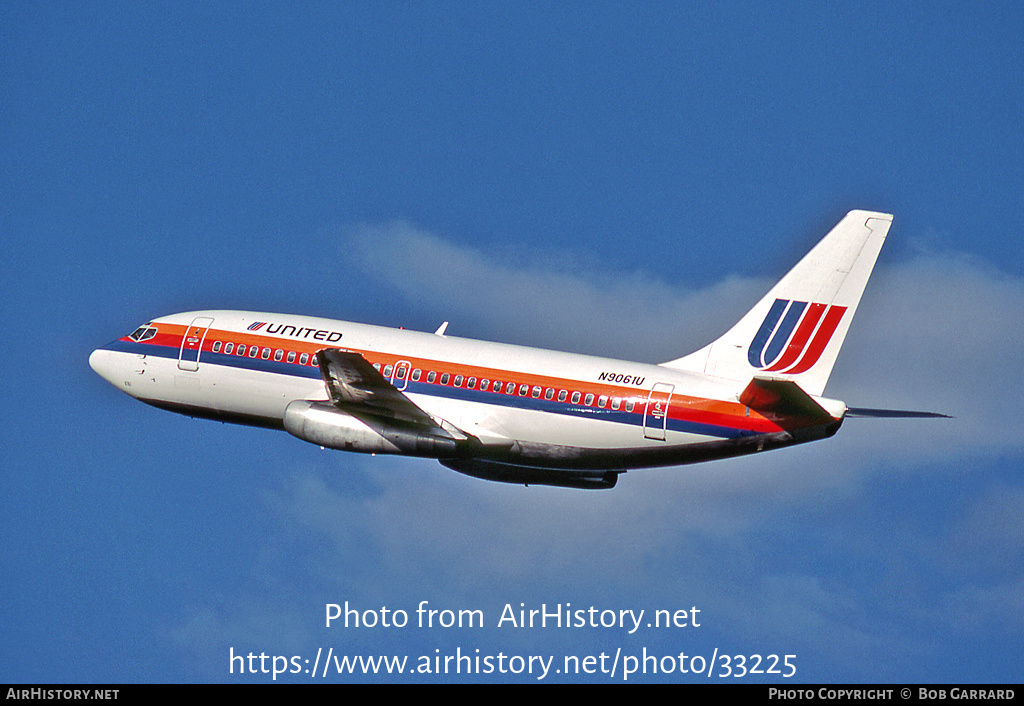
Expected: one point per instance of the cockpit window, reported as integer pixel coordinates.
(143, 333)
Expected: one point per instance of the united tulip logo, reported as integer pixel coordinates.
(793, 336)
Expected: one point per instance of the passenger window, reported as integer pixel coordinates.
(416, 375)
(279, 355)
(387, 371)
(549, 393)
(228, 348)
(254, 351)
(458, 381)
(589, 399)
(216, 346)
(616, 403)
(313, 361)
(304, 358)
(431, 376)
(629, 405)
(602, 401)
(471, 383)
(535, 393)
(444, 378)
(400, 372)
(562, 394)
(266, 354)
(291, 357)
(575, 398)
(510, 388)
(241, 349)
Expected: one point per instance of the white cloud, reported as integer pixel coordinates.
(942, 332)
(633, 315)
(938, 332)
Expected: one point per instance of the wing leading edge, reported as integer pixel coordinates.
(368, 414)
(356, 386)
(363, 400)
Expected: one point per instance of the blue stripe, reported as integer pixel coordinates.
(433, 390)
(222, 359)
(763, 333)
(142, 349)
(781, 337)
(619, 416)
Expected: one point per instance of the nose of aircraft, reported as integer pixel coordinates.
(102, 362)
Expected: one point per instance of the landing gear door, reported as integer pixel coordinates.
(192, 343)
(656, 411)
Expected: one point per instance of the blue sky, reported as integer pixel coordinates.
(617, 179)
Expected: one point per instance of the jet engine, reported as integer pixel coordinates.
(323, 424)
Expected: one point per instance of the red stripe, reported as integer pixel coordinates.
(683, 408)
(821, 339)
(800, 338)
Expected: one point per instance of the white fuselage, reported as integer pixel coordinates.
(511, 413)
(520, 405)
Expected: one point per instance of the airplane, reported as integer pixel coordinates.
(511, 413)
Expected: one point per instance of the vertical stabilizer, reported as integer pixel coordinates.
(796, 330)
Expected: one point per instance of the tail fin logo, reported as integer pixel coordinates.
(793, 336)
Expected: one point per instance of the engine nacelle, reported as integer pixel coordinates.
(323, 424)
(526, 475)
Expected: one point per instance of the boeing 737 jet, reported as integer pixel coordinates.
(510, 413)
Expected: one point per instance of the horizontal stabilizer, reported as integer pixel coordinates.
(784, 401)
(893, 414)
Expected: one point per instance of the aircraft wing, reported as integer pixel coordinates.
(357, 387)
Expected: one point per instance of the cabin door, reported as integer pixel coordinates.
(192, 343)
(656, 411)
